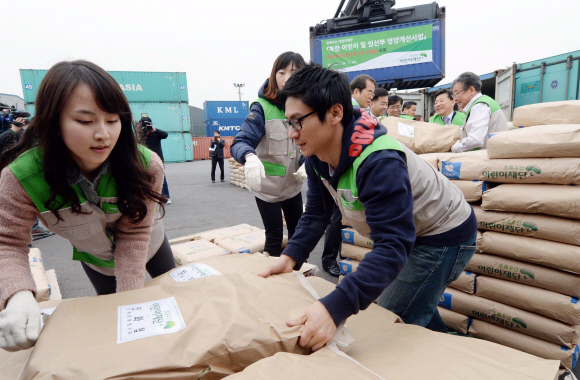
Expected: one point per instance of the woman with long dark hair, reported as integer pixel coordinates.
(271, 159)
(79, 169)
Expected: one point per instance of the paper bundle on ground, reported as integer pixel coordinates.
(541, 301)
(543, 252)
(540, 141)
(472, 190)
(525, 343)
(510, 317)
(350, 236)
(247, 243)
(196, 250)
(538, 226)
(556, 200)
(407, 352)
(565, 112)
(561, 171)
(422, 137)
(210, 327)
(55, 294)
(526, 273)
(348, 266)
(39, 275)
(219, 233)
(455, 321)
(466, 282)
(354, 252)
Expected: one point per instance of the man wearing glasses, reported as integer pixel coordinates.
(395, 106)
(483, 115)
(362, 90)
(423, 229)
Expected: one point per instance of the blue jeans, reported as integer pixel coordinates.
(165, 190)
(416, 291)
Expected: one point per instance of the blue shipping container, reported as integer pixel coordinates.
(225, 109)
(226, 127)
(169, 117)
(400, 56)
(167, 87)
(177, 147)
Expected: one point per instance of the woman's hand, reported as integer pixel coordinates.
(20, 322)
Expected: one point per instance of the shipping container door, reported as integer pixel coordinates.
(504, 91)
(188, 146)
(174, 147)
(527, 89)
(554, 88)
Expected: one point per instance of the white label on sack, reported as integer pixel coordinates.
(406, 130)
(148, 319)
(44, 314)
(192, 272)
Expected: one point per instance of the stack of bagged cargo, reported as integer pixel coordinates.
(237, 176)
(528, 271)
(354, 248)
(47, 288)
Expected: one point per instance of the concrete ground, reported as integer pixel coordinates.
(197, 205)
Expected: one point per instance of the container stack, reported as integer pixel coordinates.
(527, 283)
(162, 96)
(226, 117)
(237, 176)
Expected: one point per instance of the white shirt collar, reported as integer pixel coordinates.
(450, 115)
(479, 95)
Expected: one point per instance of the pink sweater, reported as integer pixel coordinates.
(18, 213)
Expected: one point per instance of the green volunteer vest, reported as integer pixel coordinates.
(493, 105)
(354, 103)
(403, 116)
(29, 170)
(458, 119)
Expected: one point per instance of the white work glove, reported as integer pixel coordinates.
(455, 147)
(20, 322)
(301, 173)
(254, 171)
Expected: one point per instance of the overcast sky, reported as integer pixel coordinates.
(218, 43)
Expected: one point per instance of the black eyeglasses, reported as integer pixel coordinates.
(296, 123)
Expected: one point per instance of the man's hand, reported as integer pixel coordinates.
(20, 322)
(320, 327)
(455, 147)
(153, 129)
(284, 264)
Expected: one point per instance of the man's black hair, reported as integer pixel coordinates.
(394, 99)
(360, 82)
(380, 92)
(408, 105)
(445, 91)
(320, 89)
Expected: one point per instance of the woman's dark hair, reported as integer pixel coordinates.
(283, 60)
(320, 89)
(134, 182)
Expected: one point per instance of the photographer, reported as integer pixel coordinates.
(217, 155)
(151, 138)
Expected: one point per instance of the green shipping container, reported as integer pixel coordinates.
(169, 117)
(177, 147)
(548, 80)
(164, 87)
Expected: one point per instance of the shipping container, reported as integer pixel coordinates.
(169, 117)
(201, 147)
(226, 127)
(165, 87)
(225, 109)
(403, 56)
(177, 147)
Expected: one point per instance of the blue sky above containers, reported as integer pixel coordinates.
(226, 127)
(225, 109)
(164, 87)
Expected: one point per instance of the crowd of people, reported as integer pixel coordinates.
(79, 169)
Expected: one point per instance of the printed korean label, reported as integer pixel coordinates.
(148, 319)
(192, 272)
(406, 130)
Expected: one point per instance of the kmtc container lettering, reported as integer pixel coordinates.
(226, 127)
(225, 109)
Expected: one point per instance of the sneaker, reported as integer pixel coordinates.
(223, 180)
(168, 201)
(213, 181)
(40, 232)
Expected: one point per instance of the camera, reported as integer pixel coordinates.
(8, 115)
(146, 125)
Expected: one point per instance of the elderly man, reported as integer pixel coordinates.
(444, 113)
(362, 90)
(483, 115)
(379, 104)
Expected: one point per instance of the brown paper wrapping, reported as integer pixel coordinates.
(247, 243)
(533, 225)
(471, 190)
(453, 320)
(354, 251)
(510, 317)
(55, 294)
(351, 236)
(565, 112)
(39, 275)
(196, 250)
(541, 301)
(543, 252)
(525, 273)
(220, 233)
(540, 141)
(556, 200)
(465, 282)
(422, 137)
